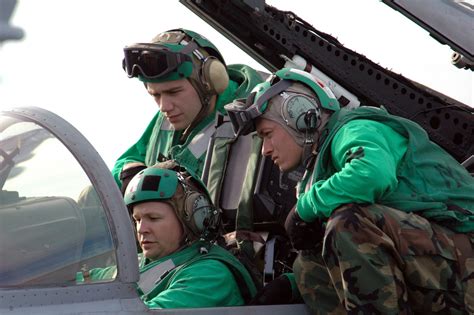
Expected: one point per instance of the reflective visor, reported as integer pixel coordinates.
(152, 61)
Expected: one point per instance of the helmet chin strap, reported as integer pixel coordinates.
(309, 149)
(196, 81)
(206, 105)
(312, 142)
(186, 240)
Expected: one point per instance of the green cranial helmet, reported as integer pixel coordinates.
(300, 110)
(177, 54)
(168, 182)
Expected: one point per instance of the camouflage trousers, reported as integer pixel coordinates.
(379, 260)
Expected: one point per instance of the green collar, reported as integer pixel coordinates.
(179, 257)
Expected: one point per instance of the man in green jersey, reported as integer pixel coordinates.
(190, 82)
(176, 223)
(384, 220)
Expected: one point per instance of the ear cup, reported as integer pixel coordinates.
(198, 210)
(311, 120)
(300, 112)
(214, 75)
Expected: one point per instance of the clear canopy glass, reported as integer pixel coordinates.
(53, 228)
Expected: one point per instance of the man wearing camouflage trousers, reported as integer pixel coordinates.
(385, 218)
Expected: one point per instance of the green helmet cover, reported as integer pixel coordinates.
(325, 95)
(191, 203)
(185, 69)
(151, 184)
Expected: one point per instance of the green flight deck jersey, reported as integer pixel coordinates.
(370, 156)
(200, 275)
(210, 279)
(160, 141)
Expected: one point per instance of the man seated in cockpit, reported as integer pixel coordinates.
(176, 224)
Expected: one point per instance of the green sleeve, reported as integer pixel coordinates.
(365, 156)
(97, 275)
(108, 273)
(136, 153)
(205, 283)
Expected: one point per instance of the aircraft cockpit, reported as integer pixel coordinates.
(51, 226)
(61, 214)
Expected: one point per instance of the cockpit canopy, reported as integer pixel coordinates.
(53, 225)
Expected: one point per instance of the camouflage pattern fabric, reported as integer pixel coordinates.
(379, 260)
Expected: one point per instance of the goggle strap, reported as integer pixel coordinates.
(190, 47)
(276, 89)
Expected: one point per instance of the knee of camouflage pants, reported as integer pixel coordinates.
(382, 260)
(314, 283)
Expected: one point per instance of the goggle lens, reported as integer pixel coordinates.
(151, 61)
(243, 114)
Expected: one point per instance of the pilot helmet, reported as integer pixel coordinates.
(178, 54)
(185, 193)
(291, 97)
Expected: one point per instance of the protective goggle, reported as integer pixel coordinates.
(154, 61)
(242, 114)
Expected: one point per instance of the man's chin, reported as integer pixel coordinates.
(283, 168)
(178, 126)
(150, 255)
(287, 168)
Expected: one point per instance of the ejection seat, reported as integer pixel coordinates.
(254, 197)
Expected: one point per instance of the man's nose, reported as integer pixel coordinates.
(165, 104)
(142, 227)
(267, 147)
